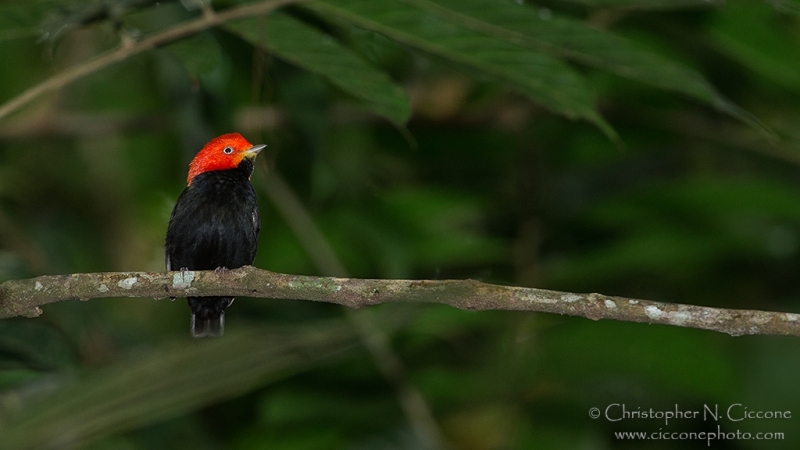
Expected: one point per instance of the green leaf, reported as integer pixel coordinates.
(747, 32)
(168, 383)
(543, 78)
(563, 37)
(199, 54)
(306, 47)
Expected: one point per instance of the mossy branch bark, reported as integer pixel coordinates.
(24, 297)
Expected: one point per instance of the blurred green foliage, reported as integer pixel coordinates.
(426, 139)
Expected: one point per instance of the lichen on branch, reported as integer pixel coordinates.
(25, 297)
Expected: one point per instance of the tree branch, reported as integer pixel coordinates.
(24, 297)
(125, 51)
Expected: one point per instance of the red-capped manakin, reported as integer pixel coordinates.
(215, 222)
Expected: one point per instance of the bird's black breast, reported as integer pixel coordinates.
(214, 223)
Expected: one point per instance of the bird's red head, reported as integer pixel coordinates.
(222, 153)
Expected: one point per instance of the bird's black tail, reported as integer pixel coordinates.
(208, 315)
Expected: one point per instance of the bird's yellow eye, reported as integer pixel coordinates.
(227, 150)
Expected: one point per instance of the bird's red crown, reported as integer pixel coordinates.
(222, 153)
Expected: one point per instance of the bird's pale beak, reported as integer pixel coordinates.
(253, 151)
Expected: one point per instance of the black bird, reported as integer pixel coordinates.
(215, 223)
